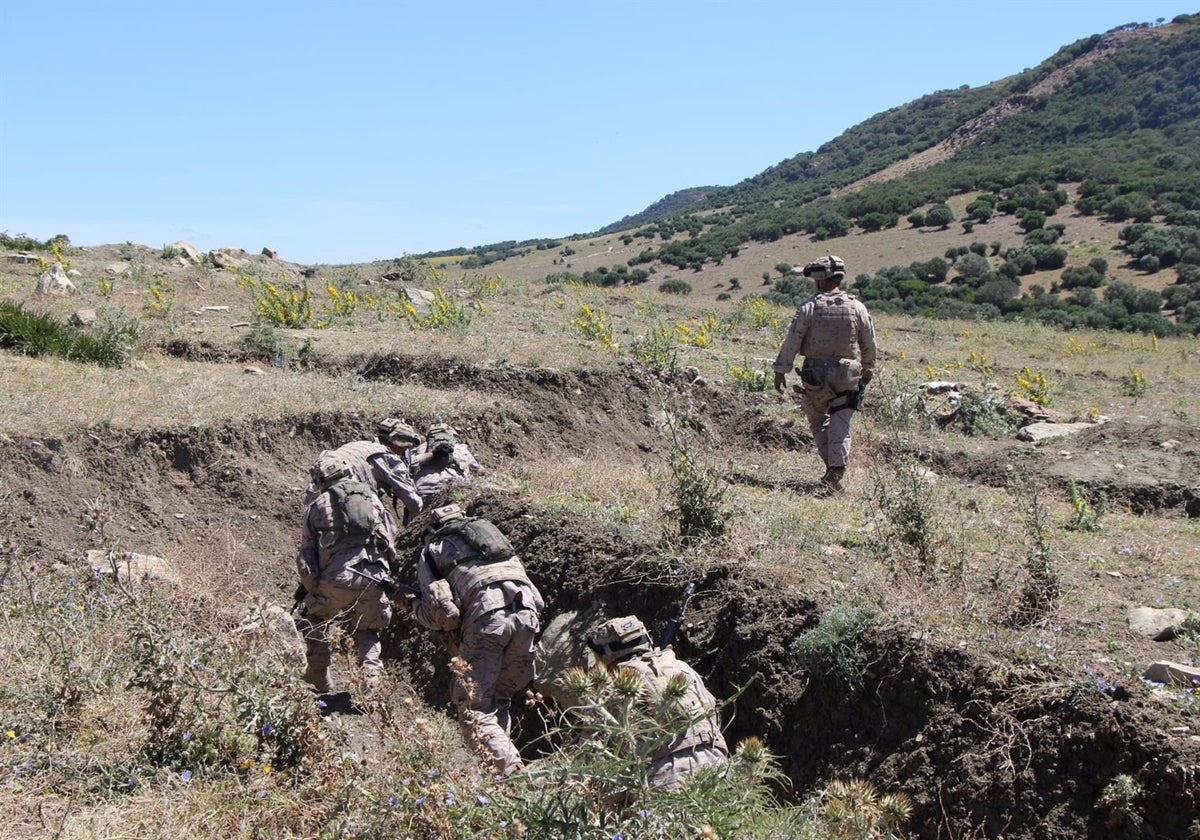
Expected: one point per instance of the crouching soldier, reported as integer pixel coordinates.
(441, 461)
(474, 589)
(382, 465)
(345, 548)
(624, 643)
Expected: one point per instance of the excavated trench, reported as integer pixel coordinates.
(981, 750)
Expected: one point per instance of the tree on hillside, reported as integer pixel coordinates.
(939, 216)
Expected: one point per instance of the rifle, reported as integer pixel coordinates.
(387, 584)
(673, 625)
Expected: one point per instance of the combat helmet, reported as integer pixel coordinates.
(826, 268)
(391, 431)
(329, 469)
(619, 638)
(439, 517)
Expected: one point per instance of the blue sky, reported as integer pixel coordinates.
(356, 131)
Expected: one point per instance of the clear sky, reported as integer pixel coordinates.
(355, 131)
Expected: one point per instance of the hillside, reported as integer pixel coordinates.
(1051, 151)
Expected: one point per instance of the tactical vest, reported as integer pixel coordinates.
(656, 669)
(491, 558)
(832, 327)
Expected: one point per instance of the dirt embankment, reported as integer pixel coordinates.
(982, 751)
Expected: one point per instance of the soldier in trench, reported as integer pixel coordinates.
(474, 590)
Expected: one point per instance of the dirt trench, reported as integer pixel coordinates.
(982, 750)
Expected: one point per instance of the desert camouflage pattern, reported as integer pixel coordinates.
(331, 565)
(377, 466)
(700, 743)
(493, 609)
(441, 473)
(833, 325)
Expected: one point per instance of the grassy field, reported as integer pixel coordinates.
(110, 734)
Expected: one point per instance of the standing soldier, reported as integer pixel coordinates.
(381, 464)
(624, 643)
(833, 331)
(346, 545)
(475, 591)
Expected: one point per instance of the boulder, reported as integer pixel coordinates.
(270, 253)
(1035, 432)
(229, 257)
(133, 571)
(1172, 673)
(1156, 624)
(83, 317)
(421, 300)
(55, 282)
(187, 251)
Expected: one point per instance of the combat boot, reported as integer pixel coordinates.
(318, 678)
(833, 480)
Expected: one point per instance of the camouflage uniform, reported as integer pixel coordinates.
(694, 726)
(374, 464)
(335, 567)
(442, 472)
(490, 610)
(834, 333)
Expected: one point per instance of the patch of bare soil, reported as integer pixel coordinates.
(1147, 465)
(983, 748)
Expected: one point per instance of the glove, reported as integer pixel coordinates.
(444, 449)
(780, 381)
(867, 376)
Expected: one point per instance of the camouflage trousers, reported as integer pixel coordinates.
(497, 648)
(830, 429)
(668, 772)
(367, 611)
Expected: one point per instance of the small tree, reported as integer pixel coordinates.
(939, 216)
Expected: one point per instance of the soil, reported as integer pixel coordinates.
(984, 748)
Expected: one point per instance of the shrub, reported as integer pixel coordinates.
(695, 488)
(832, 648)
(110, 343)
(675, 286)
(1084, 515)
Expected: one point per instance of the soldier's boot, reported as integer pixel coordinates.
(317, 677)
(372, 678)
(833, 480)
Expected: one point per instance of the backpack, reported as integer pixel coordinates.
(484, 538)
(355, 508)
(439, 433)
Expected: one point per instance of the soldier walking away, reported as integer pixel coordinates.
(624, 643)
(441, 461)
(475, 591)
(832, 329)
(381, 464)
(346, 546)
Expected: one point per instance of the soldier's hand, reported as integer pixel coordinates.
(867, 376)
(780, 381)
